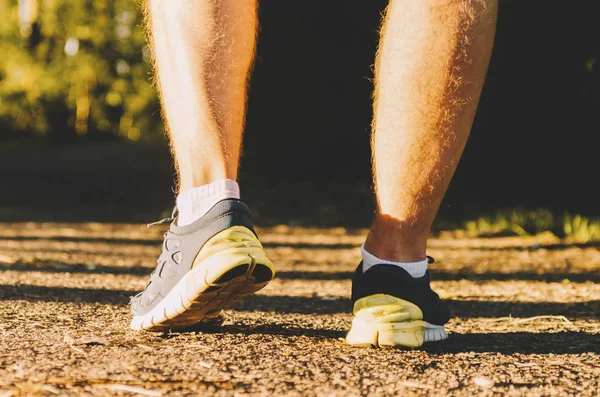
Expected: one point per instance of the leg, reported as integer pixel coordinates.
(211, 255)
(430, 69)
(203, 50)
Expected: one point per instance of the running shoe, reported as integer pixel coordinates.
(391, 308)
(204, 268)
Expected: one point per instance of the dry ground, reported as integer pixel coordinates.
(64, 290)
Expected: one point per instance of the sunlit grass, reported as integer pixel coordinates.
(581, 229)
(518, 222)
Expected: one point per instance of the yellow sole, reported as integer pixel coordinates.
(384, 320)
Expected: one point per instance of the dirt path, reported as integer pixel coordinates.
(64, 319)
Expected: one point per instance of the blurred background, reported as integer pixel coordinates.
(81, 137)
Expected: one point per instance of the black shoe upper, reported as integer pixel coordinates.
(395, 281)
(180, 247)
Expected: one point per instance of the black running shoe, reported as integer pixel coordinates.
(391, 308)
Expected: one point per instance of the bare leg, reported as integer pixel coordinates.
(203, 51)
(430, 68)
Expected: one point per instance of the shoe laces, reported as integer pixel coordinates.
(165, 221)
(168, 254)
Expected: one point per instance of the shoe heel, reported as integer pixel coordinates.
(384, 320)
(235, 247)
(362, 334)
(408, 334)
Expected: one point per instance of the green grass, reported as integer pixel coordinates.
(581, 229)
(519, 222)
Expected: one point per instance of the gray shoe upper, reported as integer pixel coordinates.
(181, 245)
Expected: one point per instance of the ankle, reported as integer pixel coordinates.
(395, 242)
(195, 202)
(414, 269)
(395, 252)
(188, 180)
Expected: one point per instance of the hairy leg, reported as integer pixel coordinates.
(430, 69)
(203, 51)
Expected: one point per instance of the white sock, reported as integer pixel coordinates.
(194, 203)
(415, 269)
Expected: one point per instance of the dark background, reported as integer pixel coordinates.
(534, 142)
(535, 138)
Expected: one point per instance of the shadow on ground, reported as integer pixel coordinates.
(157, 242)
(437, 274)
(567, 342)
(303, 245)
(308, 305)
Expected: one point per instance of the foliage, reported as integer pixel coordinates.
(515, 222)
(581, 229)
(77, 67)
(519, 222)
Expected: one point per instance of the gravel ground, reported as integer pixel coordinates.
(526, 320)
